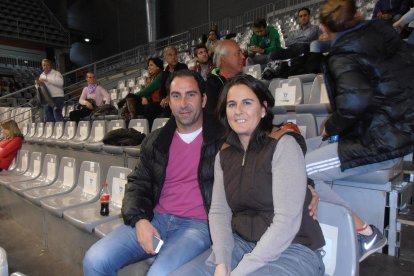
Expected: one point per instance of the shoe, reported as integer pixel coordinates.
(370, 244)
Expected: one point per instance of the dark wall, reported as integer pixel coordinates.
(114, 26)
(180, 15)
(119, 25)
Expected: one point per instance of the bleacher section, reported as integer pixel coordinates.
(27, 20)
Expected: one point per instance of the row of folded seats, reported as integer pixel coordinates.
(85, 135)
(70, 191)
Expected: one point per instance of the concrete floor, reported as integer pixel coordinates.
(28, 255)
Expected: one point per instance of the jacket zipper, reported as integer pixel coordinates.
(244, 158)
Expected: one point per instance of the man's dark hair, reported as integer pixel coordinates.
(304, 9)
(262, 93)
(260, 23)
(187, 73)
(199, 46)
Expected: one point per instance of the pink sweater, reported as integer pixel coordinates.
(181, 195)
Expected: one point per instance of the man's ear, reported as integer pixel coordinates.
(204, 100)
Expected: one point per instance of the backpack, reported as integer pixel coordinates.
(123, 137)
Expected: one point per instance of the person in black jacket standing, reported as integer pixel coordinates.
(368, 75)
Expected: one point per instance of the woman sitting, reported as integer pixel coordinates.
(146, 102)
(93, 96)
(12, 142)
(259, 194)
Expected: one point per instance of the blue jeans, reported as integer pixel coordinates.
(54, 114)
(183, 238)
(296, 260)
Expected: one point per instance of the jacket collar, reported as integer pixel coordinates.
(212, 132)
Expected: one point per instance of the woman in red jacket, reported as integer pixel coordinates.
(11, 143)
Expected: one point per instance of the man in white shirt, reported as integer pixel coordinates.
(53, 80)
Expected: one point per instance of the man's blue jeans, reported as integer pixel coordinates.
(296, 260)
(183, 238)
(51, 114)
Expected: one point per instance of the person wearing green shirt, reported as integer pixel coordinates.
(264, 41)
(146, 102)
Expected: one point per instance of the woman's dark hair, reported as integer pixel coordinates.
(157, 61)
(266, 100)
(339, 15)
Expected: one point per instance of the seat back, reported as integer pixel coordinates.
(130, 83)
(48, 130)
(288, 92)
(57, 130)
(307, 82)
(40, 126)
(32, 130)
(25, 129)
(69, 109)
(114, 96)
(97, 131)
(319, 95)
(49, 168)
(158, 123)
(90, 178)
(140, 125)
(253, 70)
(305, 122)
(35, 164)
(69, 131)
(321, 113)
(22, 161)
(124, 92)
(67, 172)
(115, 124)
(116, 179)
(82, 132)
(341, 257)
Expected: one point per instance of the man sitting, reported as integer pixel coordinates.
(264, 41)
(204, 64)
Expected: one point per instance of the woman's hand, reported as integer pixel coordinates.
(165, 102)
(222, 270)
(399, 25)
(313, 205)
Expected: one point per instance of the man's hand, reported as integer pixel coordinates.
(399, 25)
(313, 205)
(386, 16)
(88, 105)
(222, 270)
(257, 50)
(144, 101)
(39, 81)
(144, 231)
(323, 132)
(165, 102)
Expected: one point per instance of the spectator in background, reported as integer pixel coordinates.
(146, 102)
(12, 141)
(229, 61)
(171, 58)
(390, 10)
(264, 41)
(93, 96)
(369, 80)
(298, 41)
(215, 28)
(211, 43)
(301, 61)
(53, 81)
(405, 20)
(204, 64)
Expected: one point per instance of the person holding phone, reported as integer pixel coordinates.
(258, 221)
